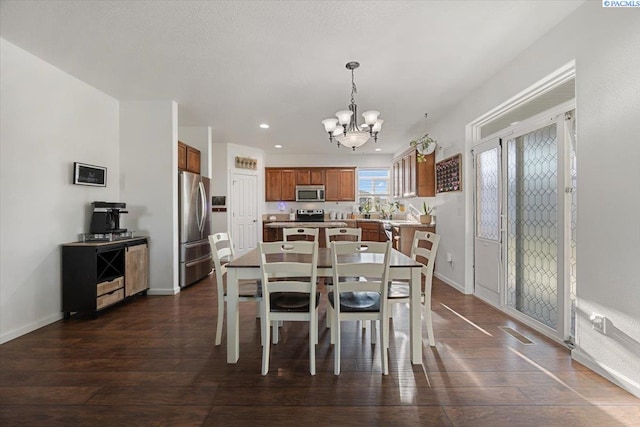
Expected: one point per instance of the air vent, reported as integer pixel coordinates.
(517, 335)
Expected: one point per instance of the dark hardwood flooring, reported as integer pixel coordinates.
(152, 361)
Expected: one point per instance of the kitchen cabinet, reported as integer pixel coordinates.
(412, 178)
(182, 156)
(403, 236)
(372, 231)
(96, 275)
(280, 184)
(340, 184)
(188, 158)
(313, 176)
(397, 179)
(409, 174)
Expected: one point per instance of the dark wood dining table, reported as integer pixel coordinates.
(247, 266)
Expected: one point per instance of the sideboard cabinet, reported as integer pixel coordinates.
(96, 275)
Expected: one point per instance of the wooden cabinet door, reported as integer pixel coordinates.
(332, 185)
(347, 185)
(340, 185)
(303, 177)
(136, 265)
(182, 156)
(409, 172)
(316, 177)
(288, 185)
(280, 185)
(426, 176)
(396, 192)
(193, 160)
(273, 185)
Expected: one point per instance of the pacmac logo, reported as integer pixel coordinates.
(620, 3)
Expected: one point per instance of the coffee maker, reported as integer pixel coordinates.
(106, 217)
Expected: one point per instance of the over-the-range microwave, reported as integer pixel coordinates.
(309, 193)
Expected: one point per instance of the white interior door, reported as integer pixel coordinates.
(488, 220)
(244, 212)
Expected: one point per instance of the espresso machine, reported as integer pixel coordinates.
(106, 218)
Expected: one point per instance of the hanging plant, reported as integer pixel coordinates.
(424, 145)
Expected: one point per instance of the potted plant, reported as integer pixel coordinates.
(426, 217)
(365, 207)
(424, 145)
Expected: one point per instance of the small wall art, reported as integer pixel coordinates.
(84, 174)
(246, 163)
(449, 174)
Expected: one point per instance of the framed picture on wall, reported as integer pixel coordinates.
(84, 174)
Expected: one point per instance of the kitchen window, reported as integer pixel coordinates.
(375, 184)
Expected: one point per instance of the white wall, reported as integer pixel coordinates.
(342, 157)
(220, 185)
(149, 184)
(48, 120)
(223, 166)
(605, 44)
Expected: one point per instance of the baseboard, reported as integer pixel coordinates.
(608, 373)
(450, 282)
(164, 292)
(30, 328)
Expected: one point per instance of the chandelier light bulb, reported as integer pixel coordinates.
(370, 117)
(377, 126)
(329, 124)
(344, 117)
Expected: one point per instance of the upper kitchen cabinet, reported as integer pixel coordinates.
(311, 176)
(280, 184)
(188, 158)
(340, 185)
(412, 178)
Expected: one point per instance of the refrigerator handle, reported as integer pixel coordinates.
(203, 208)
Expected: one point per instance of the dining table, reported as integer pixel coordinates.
(401, 267)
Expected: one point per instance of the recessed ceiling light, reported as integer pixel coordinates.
(278, 146)
(378, 149)
(264, 126)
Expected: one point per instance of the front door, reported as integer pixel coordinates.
(244, 212)
(488, 220)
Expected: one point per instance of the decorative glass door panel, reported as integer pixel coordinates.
(532, 225)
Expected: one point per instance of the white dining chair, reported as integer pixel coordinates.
(360, 299)
(423, 250)
(338, 234)
(289, 272)
(249, 290)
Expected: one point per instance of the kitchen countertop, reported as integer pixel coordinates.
(294, 224)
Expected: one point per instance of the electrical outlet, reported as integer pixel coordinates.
(599, 323)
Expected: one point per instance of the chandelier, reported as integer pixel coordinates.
(345, 129)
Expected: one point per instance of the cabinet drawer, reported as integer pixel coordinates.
(108, 299)
(106, 287)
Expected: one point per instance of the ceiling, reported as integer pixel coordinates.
(232, 65)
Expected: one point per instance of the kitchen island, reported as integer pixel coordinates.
(272, 231)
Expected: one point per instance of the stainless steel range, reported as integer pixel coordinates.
(310, 215)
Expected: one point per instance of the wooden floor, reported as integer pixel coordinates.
(152, 361)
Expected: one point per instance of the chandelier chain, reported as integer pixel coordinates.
(354, 89)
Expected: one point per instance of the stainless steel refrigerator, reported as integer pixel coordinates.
(194, 217)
